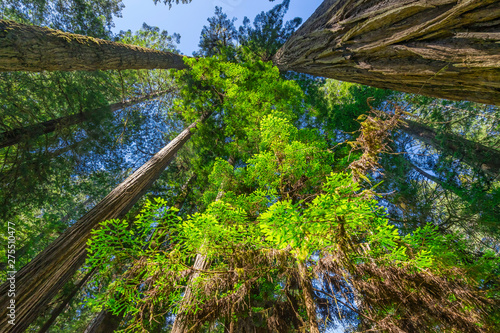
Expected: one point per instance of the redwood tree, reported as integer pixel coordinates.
(31, 48)
(442, 48)
(15, 136)
(40, 280)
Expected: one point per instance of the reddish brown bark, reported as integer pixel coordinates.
(64, 304)
(441, 48)
(307, 292)
(31, 48)
(40, 280)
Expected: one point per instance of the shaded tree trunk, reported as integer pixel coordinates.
(37, 163)
(31, 48)
(40, 280)
(19, 134)
(441, 48)
(472, 153)
(107, 322)
(479, 202)
(181, 323)
(307, 290)
(58, 310)
(182, 320)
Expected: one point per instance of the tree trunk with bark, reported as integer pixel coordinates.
(40, 280)
(181, 323)
(31, 48)
(182, 320)
(441, 48)
(17, 135)
(307, 290)
(471, 153)
(21, 252)
(107, 322)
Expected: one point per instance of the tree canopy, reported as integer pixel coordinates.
(233, 191)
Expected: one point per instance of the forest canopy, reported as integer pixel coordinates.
(249, 188)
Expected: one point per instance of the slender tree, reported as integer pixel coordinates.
(15, 136)
(65, 302)
(472, 153)
(442, 48)
(32, 48)
(41, 279)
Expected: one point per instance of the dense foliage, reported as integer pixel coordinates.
(300, 205)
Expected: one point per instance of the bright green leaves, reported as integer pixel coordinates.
(121, 241)
(282, 225)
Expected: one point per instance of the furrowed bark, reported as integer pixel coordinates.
(40, 280)
(19, 134)
(31, 48)
(441, 48)
(107, 322)
(472, 153)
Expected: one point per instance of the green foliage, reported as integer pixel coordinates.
(86, 17)
(296, 208)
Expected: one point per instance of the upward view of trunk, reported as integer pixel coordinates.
(64, 304)
(31, 48)
(40, 280)
(21, 252)
(17, 135)
(479, 203)
(107, 322)
(472, 153)
(181, 323)
(307, 290)
(441, 48)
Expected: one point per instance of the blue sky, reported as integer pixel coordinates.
(189, 19)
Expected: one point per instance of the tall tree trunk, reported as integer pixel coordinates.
(36, 163)
(17, 135)
(181, 322)
(59, 309)
(441, 48)
(31, 48)
(306, 286)
(472, 153)
(40, 280)
(107, 322)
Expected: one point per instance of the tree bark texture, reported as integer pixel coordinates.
(307, 290)
(441, 48)
(108, 322)
(31, 48)
(471, 153)
(19, 134)
(21, 252)
(40, 280)
(181, 322)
